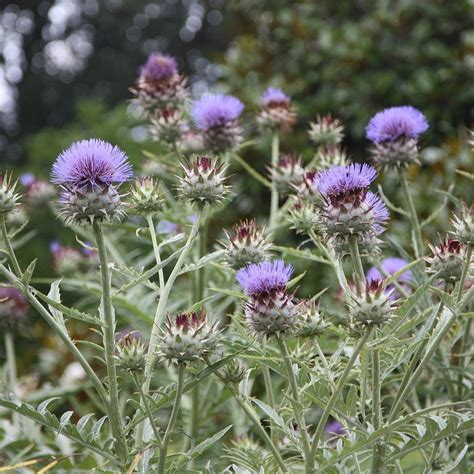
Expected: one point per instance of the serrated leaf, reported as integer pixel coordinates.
(42, 407)
(28, 273)
(64, 420)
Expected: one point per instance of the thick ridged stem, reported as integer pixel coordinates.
(267, 379)
(274, 195)
(332, 400)
(296, 401)
(359, 275)
(172, 420)
(109, 345)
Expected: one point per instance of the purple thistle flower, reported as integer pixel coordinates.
(396, 122)
(264, 277)
(27, 179)
(379, 211)
(274, 95)
(343, 179)
(90, 163)
(216, 110)
(334, 428)
(158, 67)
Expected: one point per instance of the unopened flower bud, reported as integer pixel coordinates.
(464, 225)
(331, 155)
(310, 323)
(131, 352)
(167, 126)
(326, 131)
(66, 260)
(288, 173)
(304, 217)
(39, 193)
(372, 307)
(234, 371)
(8, 195)
(188, 337)
(277, 113)
(145, 197)
(204, 180)
(447, 260)
(246, 243)
(14, 308)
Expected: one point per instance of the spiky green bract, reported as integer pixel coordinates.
(372, 306)
(310, 323)
(326, 131)
(131, 352)
(447, 260)
(145, 196)
(463, 225)
(188, 337)
(234, 372)
(204, 180)
(288, 173)
(168, 126)
(246, 243)
(8, 195)
(303, 216)
(277, 112)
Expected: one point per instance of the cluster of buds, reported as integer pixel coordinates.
(326, 131)
(86, 172)
(348, 207)
(447, 260)
(39, 192)
(270, 308)
(69, 260)
(373, 306)
(217, 118)
(130, 352)
(394, 133)
(188, 337)
(234, 372)
(145, 196)
(159, 84)
(204, 180)
(14, 308)
(8, 195)
(464, 225)
(277, 113)
(311, 323)
(288, 173)
(246, 243)
(168, 126)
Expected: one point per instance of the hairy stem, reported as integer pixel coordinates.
(296, 401)
(378, 453)
(274, 196)
(11, 360)
(156, 250)
(335, 395)
(172, 420)
(109, 345)
(359, 275)
(8, 244)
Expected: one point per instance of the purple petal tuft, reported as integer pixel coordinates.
(264, 277)
(214, 110)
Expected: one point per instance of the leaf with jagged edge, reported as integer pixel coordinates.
(202, 262)
(55, 295)
(28, 273)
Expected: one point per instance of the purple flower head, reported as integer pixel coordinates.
(390, 266)
(12, 303)
(396, 122)
(27, 179)
(274, 95)
(343, 179)
(216, 110)
(334, 428)
(264, 277)
(158, 67)
(54, 247)
(168, 227)
(91, 163)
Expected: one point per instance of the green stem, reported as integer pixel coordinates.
(378, 453)
(335, 395)
(147, 409)
(296, 401)
(11, 360)
(465, 271)
(11, 252)
(160, 314)
(359, 275)
(363, 389)
(267, 379)
(172, 420)
(156, 250)
(109, 345)
(274, 196)
(419, 252)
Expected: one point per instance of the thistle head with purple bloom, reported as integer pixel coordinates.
(264, 277)
(159, 67)
(277, 112)
(390, 266)
(394, 133)
(273, 95)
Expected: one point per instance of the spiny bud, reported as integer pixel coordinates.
(66, 260)
(304, 217)
(234, 371)
(204, 180)
(8, 195)
(310, 323)
(288, 173)
(39, 193)
(326, 131)
(145, 196)
(188, 337)
(277, 111)
(447, 260)
(331, 155)
(167, 126)
(305, 189)
(130, 352)
(246, 244)
(464, 225)
(372, 307)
